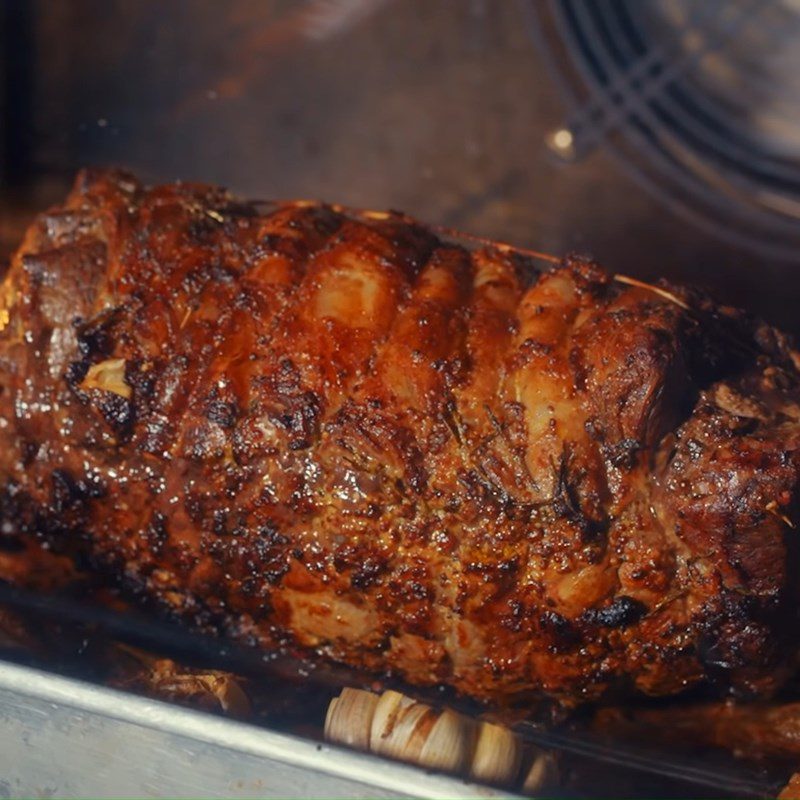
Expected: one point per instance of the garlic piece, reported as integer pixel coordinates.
(498, 755)
(543, 772)
(349, 718)
(109, 376)
(399, 727)
(449, 744)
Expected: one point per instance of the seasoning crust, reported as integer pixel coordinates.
(290, 423)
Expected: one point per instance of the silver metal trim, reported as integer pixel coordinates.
(55, 710)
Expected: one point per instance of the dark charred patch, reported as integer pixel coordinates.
(621, 612)
(222, 413)
(516, 615)
(195, 505)
(300, 419)
(67, 493)
(368, 573)
(584, 509)
(141, 376)
(271, 536)
(219, 522)
(118, 412)
(563, 633)
(258, 555)
(155, 534)
(95, 339)
(202, 230)
(29, 452)
(75, 373)
(622, 454)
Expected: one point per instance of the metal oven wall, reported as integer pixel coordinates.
(437, 108)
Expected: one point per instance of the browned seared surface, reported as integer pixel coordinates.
(292, 424)
(792, 789)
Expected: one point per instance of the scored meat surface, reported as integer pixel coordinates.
(289, 423)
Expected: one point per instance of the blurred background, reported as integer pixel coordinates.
(661, 136)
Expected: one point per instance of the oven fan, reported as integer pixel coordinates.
(699, 101)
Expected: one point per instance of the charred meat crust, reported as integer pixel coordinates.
(290, 423)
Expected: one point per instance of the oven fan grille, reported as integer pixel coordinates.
(698, 101)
